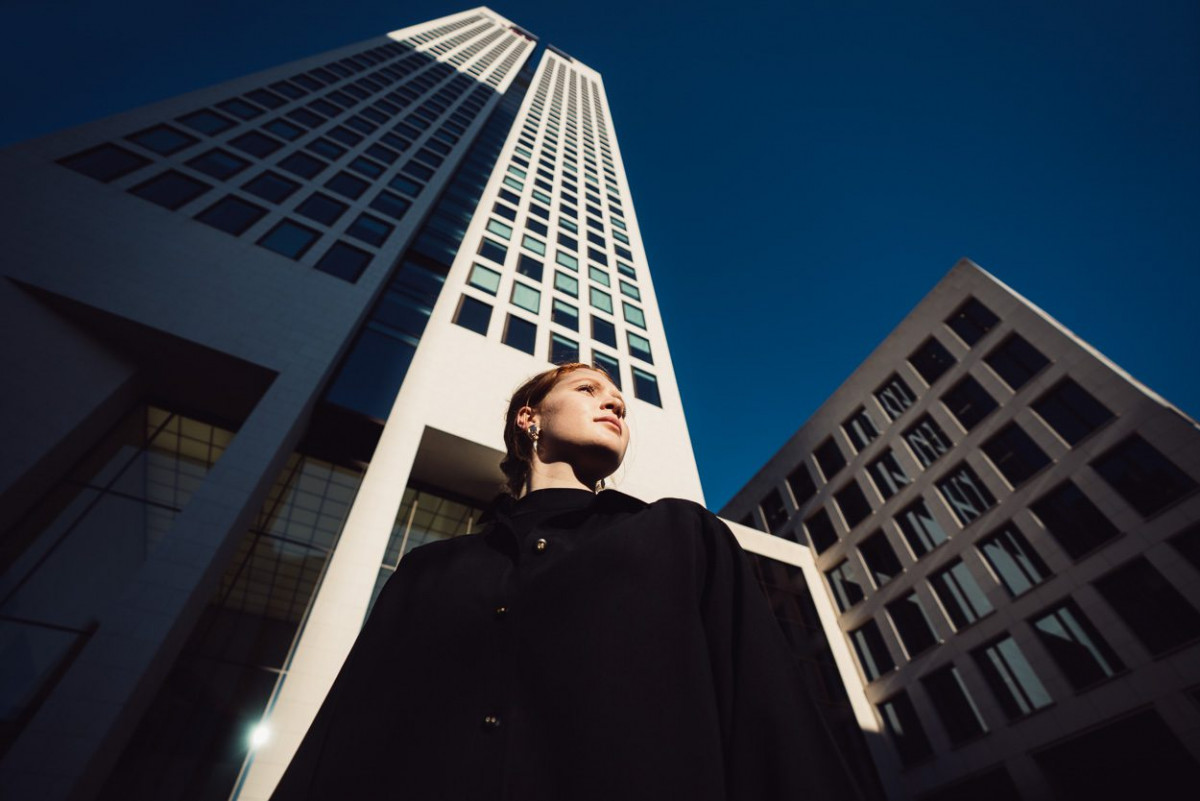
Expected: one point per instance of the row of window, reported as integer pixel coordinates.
(1152, 609)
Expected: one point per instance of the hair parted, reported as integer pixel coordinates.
(518, 459)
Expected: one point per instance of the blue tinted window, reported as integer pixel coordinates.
(306, 117)
(473, 314)
(520, 334)
(207, 122)
(219, 164)
(266, 98)
(344, 261)
(370, 229)
(105, 163)
(240, 108)
(284, 128)
(163, 139)
(346, 184)
(645, 386)
(171, 189)
(321, 208)
(256, 144)
(231, 215)
(323, 147)
(271, 186)
(303, 165)
(390, 204)
(289, 239)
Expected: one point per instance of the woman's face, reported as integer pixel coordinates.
(581, 421)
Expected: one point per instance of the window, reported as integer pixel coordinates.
(484, 278)
(390, 204)
(499, 229)
(370, 229)
(473, 314)
(321, 208)
(402, 184)
(908, 735)
(887, 474)
(162, 139)
(284, 129)
(1015, 454)
(639, 347)
(645, 386)
(829, 458)
(881, 561)
(853, 504)
(1013, 560)
(1145, 478)
(171, 190)
(600, 299)
(207, 122)
(603, 331)
(302, 164)
(520, 334)
(567, 284)
(927, 441)
(1150, 606)
(533, 244)
(1016, 361)
(920, 528)
(820, 530)
(256, 144)
(352, 187)
(971, 321)
(344, 261)
(563, 350)
(564, 314)
(1071, 411)
(629, 290)
(774, 512)
(969, 402)
(529, 267)
(1187, 542)
(271, 186)
(1009, 674)
(932, 360)
(860, 429)
(289, 239)
(598, 275)
(1080, 652)
(955, 707)
(801, 482)
(526, 297)
(966, 494)
(567, 260)
(872, 651)
(843, 581)
(218, 164)
(895, 396)
(1073, 520)
(231, 215)
(960, 594)
(492, 250)
(609, 365)
(912, 624)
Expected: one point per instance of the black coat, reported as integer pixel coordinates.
(617, 651)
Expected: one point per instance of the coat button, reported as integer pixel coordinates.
(491, 722)
(501, 611)
(540, 545)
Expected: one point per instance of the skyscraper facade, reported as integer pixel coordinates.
(1006, 530)
(258, 341)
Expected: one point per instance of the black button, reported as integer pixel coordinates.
(491, 722)
(540, 545)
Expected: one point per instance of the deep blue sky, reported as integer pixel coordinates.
(803, 172)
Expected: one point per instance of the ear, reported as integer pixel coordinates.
(525, 416)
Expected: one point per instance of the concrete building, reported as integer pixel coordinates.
(257, 344)
(1007, 531)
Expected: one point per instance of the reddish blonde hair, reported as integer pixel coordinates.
(518, 459)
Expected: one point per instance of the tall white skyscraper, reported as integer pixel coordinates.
(258, 340)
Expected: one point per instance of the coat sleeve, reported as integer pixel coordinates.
(775, 745)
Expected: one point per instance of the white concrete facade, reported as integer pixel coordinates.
(1003, 751)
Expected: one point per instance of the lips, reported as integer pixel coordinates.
(614, 422)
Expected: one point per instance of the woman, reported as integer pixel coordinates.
(586, 645)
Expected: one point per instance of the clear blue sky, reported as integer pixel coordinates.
(803, 172)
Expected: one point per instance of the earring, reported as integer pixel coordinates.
(533, 433)
(599, 485)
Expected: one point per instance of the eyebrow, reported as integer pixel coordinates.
(591, 380)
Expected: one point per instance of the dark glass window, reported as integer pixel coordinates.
(801, 482)
(163, 139)
(266, 98)
(971, 321)
(302, 164)
(966, 494)
(520, 334)
(347, 185)
(860, 429)
(895, 396)
(1149, 481)
(564, 314)
(955, 707)
(271, 186)
(609, 365)
(1015, 454)
(1071, 411)
(384, 154)
(402, 184)
(1080, 652)
(829, 458)
(872, 651)
(306, 117)
(171, 189)
(417, 170)
(231, 215)
(645, 386)
(853, 504)
(1187, 542)
(960, 594)
(326, 148)
(256, 144)
(105, 163)
(912, 624)
(888, 475)
(367, 167)
(880, 559)
(284, 129)
(473, 314)
(371, 230)
(969, 402)
(207, 122)
(843, 580)
(529, 267)
(774, 511)
(344, 261)
(219, 164)
(289, 239)
(908, 735)
(603, 331)
(920, 528)
(504, 211)
(1073, 520)
(927, 440)
(321, 208)
(820, 530)
(390, 204)
(563, 350)
(1016, 361)
(932, 360)
(344, 135)
(639, 347)
(1014, 560)
(1150, 606)
(1011, 677)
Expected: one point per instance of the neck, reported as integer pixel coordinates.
(556, 475)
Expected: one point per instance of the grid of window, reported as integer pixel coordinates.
(969, 402)
(971, 321)
(920, 528)
(843, 581)
(960, 594)
(1075, 645)
(820, 530)
(1014, 560)
(927, 441)
(1015, 454)
(932, 360)
(1071, 411)
(966, 494)
(888, 475)
(895, 396)
(1016, 361)
(860, 429)
(853, 504)
(1147, 480)
(1076, 524)
(829, 458)
(912, 624)
(1011, 678)
(880, 558)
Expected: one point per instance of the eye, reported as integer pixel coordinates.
(589, 388)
